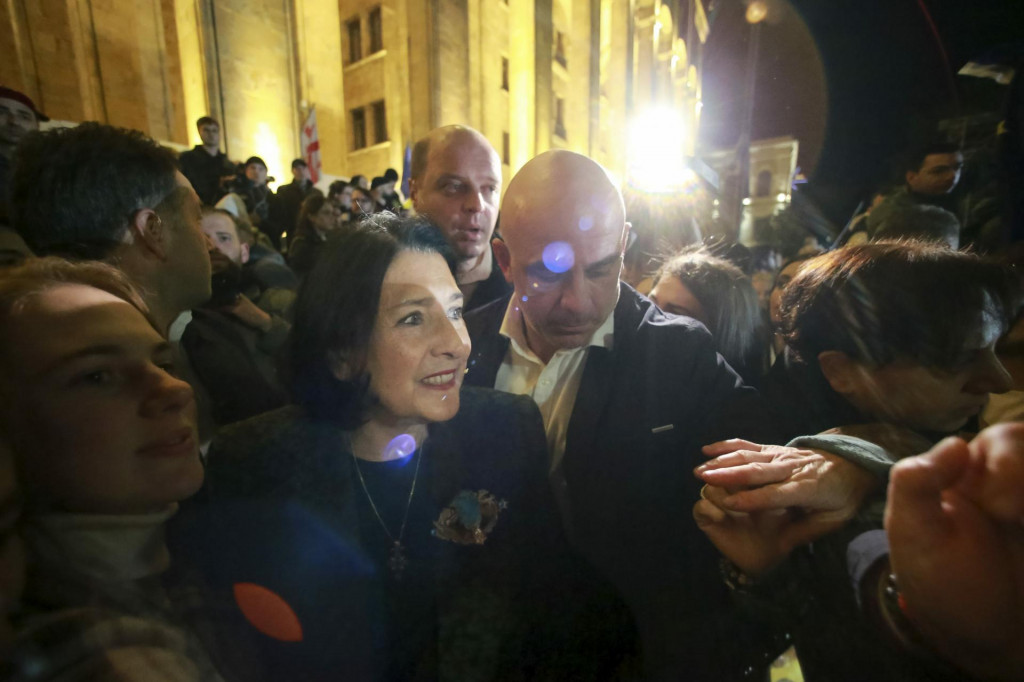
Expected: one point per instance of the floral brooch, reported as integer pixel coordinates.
(469, 518)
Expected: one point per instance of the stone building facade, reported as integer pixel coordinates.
(530, 74)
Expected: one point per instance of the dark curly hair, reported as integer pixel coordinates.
(336, 310)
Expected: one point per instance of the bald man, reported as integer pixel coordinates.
(629, 396)
(456, 183)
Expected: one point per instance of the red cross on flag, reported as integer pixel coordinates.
(311, 146)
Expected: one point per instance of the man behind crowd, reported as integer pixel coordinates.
(205, 166)
(18, 117)
(931, 174)
(252, 187)
(288, 201)
(456, 183)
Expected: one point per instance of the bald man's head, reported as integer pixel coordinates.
(456, 183)
(564, 230)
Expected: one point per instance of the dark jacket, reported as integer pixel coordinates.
(643, 411)
(205, 171)
(490, 289)
(238, 377)
(283, 508)
(285, 209)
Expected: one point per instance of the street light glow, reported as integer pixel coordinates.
(657, 141)
(756, 12)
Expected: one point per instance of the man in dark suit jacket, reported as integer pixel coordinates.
(628, 395)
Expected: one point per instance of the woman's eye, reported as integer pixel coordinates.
(411, 319)
(455, 313)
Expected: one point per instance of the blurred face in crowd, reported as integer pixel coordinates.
(342, 199)
(327, 218)
(418, 349)
(784, 277)
(187, 246)
(101, 423)
(209, 133)
(459, 190)
(256, 172)
(222, 231)
(12, 554)
(672, 296)
(361, 201)
(16, 120)
(931, 399)
(938, 174)
(300, 173)
(564, 239)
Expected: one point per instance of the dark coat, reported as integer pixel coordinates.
(205, 172)
(643, 411)
(490, 289)
(281, 509)
(238, 378)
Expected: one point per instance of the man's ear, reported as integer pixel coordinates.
(149, 231)
(245, 254)
(910, 177)
(503, 257)
(839, 370)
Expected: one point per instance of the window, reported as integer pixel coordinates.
(376, 31)
(358, 128)
(764, 184)
(380, 122)
(560, 55)
(505, 145)
(504, 74)
(560, 117)
(355, 41)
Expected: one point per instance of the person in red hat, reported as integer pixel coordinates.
(18, 117)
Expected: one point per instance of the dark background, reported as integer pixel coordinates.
(856, 81)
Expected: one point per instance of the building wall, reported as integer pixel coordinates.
(261, 65)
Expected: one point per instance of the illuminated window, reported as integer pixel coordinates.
(560, 117)
(380, 122)
(355, 41)
(764, 184)
(504, 74)
(376, 31)
(505, 145)
(358, 128)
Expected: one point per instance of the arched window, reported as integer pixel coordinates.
(764, 184)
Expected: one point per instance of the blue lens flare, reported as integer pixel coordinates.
(558, 257)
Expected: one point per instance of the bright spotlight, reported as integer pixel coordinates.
(655, 150)
(746, 201)
(781, 197)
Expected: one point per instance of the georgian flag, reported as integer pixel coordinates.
(310, 140)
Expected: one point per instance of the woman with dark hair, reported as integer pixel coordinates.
(718, 294)
(893, 342)
(392, 525)
(104, 437)
(317, 219)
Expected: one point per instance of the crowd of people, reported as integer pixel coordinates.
(300, 436)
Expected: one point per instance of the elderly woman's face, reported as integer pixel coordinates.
(93, 409)
(419, 345)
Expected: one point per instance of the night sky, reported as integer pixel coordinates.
(854, 80)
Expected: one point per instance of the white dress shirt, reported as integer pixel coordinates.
(553, 386)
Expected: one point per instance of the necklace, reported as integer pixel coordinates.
(397, 561)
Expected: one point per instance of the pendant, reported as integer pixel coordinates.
(396, 560)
